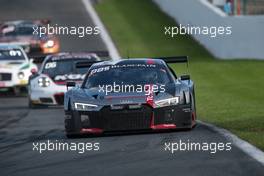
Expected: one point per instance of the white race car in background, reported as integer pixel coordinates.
(47, 87)
(15, 68)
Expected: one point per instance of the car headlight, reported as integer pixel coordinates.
(49, 44)
(167, 102)
(20, 75)
(43, 82)
(84, 106)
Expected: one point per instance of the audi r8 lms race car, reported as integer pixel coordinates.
(21, 32)
(15, 68)
(130, 94)
(47, 87)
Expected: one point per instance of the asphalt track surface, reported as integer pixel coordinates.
(134, 154)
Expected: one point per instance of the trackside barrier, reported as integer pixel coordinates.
(245, 42)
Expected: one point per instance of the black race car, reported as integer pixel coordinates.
(130, 94)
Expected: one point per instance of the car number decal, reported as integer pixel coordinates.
(50, 65)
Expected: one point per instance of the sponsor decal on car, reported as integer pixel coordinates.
(69, 77)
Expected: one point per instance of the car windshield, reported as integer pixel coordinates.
(19, 30)
(13, 54)
(127, 76)
(63, 67)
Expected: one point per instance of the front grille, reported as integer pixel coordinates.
(5, 76)
(46, 100)
(119, 120)
(59, 98)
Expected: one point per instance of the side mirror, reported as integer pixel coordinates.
(70, 84)
(185, 77)
(33, 71)
(31, 60)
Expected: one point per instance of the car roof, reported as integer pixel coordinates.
(130, 61)
(72, 55)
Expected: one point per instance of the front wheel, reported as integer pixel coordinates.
(193, 115)
(17, 91)
(31, 105)
(72, 122)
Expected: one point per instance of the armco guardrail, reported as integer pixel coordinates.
(245, 42)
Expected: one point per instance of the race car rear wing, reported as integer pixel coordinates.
(85, 64)
(177, 59)
(174, 59)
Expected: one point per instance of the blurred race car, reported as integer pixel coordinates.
(47, 87)
(21, 32)
(15, 68)
(131, 94)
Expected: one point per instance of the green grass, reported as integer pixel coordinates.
(229, 93)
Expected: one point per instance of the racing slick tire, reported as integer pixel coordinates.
(17, 91)
(194, 115)
(31, 105)
(72, 123)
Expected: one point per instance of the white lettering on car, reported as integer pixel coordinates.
(69, 77)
